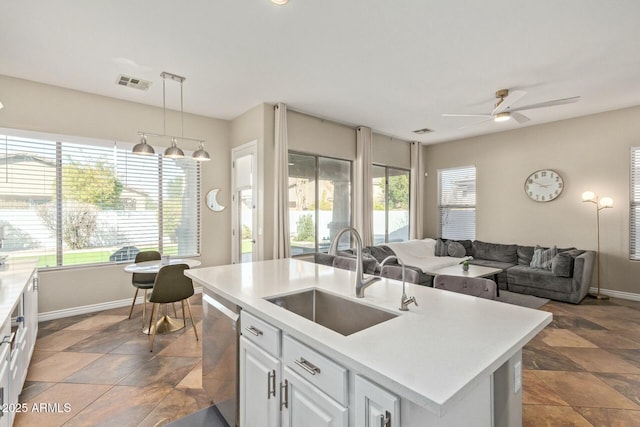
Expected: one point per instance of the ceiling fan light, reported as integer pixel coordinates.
(201, 155)
(143, 148)
(502, 117)
(280, 2)
(174, 152)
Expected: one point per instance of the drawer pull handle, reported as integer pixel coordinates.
(271, 384)
(308, 366)
(385, 420)
(9, 339)
(255, 331)
(284, 394)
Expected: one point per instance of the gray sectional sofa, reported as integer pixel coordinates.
(568, 279)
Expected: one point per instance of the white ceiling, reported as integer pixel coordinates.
(395, 66)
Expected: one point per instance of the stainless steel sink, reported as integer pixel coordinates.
(339, 314)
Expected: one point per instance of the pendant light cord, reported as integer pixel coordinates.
(164, 106)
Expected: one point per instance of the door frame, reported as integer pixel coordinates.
(249, 148)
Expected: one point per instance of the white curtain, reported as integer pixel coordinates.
(363, 185)
(281, 245)
(415, 192)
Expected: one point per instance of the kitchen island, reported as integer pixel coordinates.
(452, 360)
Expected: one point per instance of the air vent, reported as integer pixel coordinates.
(423, 131)
(133, 82)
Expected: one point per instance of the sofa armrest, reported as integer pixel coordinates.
(582, 273)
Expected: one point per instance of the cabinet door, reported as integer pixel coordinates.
(375, 406)
(305, 405)
(259, 379)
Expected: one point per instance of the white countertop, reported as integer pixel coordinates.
(14, 276)
(431, 355)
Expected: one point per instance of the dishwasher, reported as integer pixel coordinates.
(220, 330)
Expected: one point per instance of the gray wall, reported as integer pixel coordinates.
(590, 153)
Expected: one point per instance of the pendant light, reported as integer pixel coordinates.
(143, 148)
(173, 152)
(200, 154)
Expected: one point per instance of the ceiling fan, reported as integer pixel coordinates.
(503, 110)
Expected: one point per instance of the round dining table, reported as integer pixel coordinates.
(165, 324)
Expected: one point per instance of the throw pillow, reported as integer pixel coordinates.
(456, 250)
(542, 257)
(562, 265)
(442, 248)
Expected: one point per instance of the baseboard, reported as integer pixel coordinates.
(92, 308)
(616, 294)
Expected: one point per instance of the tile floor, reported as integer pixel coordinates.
(100, 364)
(582, 370)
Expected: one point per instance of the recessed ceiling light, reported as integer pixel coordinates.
(280, 2)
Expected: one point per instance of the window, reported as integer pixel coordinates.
(457, 202)
(71, 203)
(319, 201)
(634, 214)
(390, 204)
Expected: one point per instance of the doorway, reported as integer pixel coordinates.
(244, 230)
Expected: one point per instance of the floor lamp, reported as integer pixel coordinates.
(601, 203)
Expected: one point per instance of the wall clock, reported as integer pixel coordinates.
(543, 186)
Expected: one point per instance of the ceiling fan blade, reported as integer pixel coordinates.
(548, 104)
(508, 101)
(519, 117)
(465, 115)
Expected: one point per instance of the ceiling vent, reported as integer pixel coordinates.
(133, 82)
(423, 131)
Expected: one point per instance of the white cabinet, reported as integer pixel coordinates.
(259, 386)
(284, 382)
(19, 320)
(374, 406)
(306, 405)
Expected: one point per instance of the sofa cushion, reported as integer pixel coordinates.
(442, 248)
(562, 264)
(538, 278)
(324, 259)
(456, 250)
(495, 252)
(525, 253)
(542, 257)
(379, 252)
(468, 246)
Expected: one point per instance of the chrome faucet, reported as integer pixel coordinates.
(361, 282)
(404, 300)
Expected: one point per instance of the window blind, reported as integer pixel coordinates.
(457, 202)
(634, 214)
(71, 203)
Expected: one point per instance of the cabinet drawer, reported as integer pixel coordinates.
(260, 333)
(319, 370)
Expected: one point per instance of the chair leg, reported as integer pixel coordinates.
(175, 313)
(191, 317)
(184, 319)
(153, 336)
(134, 302)
(144, 308)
